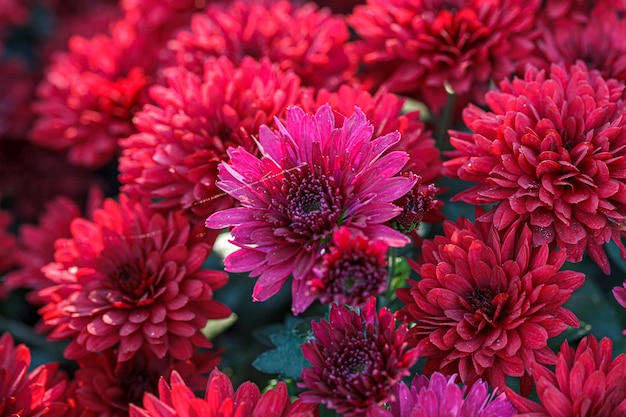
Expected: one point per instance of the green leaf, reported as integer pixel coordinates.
(286, 360)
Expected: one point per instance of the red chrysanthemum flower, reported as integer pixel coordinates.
(356, 358)
(597, 40)
(385, 111)
(352, 269)
(36, 243)
(312, 178)
(89, 94)
(196, 119)
(106, 387)
(424, 48)
(442, 397)
(220, 400)
(587, 381)
(131, 278)
(29, 393)
(312, 42)
(552, 152)
(487, 302)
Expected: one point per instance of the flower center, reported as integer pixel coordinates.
(353, 364)
(135, 384)
(486, 305)
(355, 277)
(132, 279)
(313, 204)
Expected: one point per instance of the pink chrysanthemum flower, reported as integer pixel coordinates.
(352, 269)
(29, 393)
(185, 135)
(384, 111)
(597, 40)
(356, 358)
(106, 387)
(587, 381)
(131, 279)
(311, 42)
(220, 400)
(487, 302)
(552, 152)
(442, 397)
(424, 48)
(312, 178)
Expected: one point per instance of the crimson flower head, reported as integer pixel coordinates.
(310, 41)
(220, 400)
(487, 302)
(39, 392)
(184, 136)
(587, 381)
(105, 387)
(424, 48)
(550, 151)
(312, 177)
(356, 358)
(442, 397)
(352, 269)
(129, 279)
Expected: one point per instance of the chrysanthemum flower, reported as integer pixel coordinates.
(311, 42)
(131, 279)
(106, 387)
(423, 48)
(89, 94)
(185, 135)
(587, 381)
(356, 358)
(442, 397)
(385, 111)
(487, 302)
(29, 393)
(36, 243)
(352, 269)
(551, 151)
(312, 178)
(597, 40)
(220, 400)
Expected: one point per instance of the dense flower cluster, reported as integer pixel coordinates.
(429, 197)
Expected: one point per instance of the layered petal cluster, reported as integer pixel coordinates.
(129, 279)
(425, 49)
(597, 40)
(551, 150)
(89, 94)
(356, 358)
(385, 111)
(487, 302)
(440, 396)
(184, 136)
(352, 269)
(105, 387)
(311, 41)
(312, 177)
(220, 400)
(38, 392)
(587, 381)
